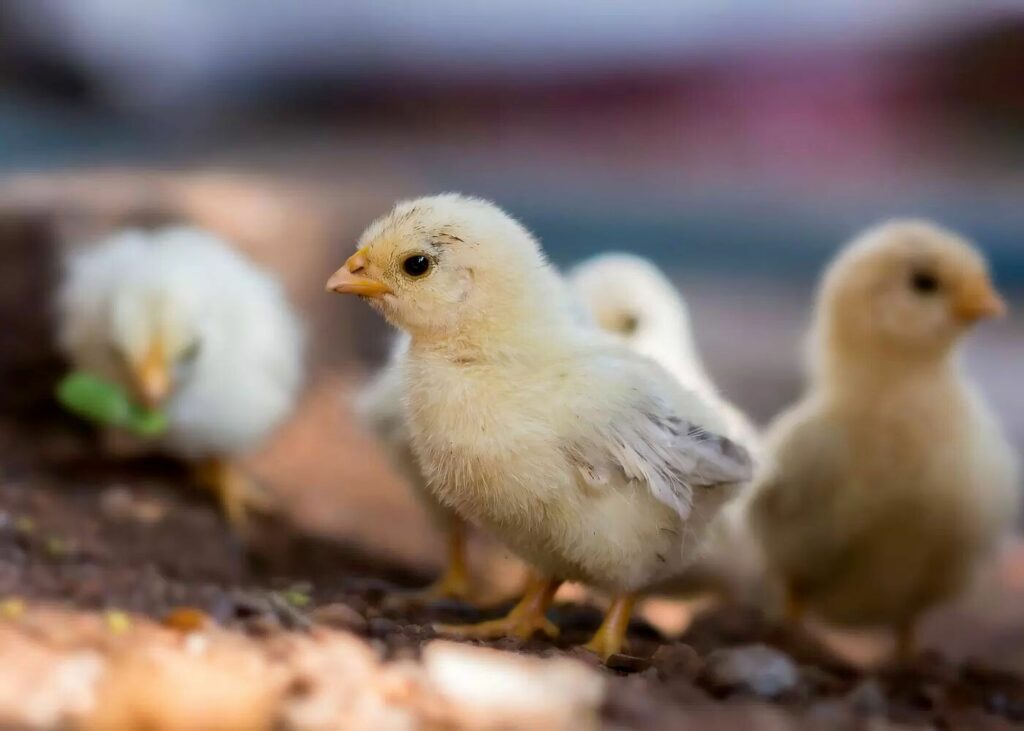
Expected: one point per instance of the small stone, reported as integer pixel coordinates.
(24, 525)
(678, 659)
(340, 616)
(382, 627)
(758, 669)
(868, 698)
(296, 598)
(12, 608)
(56, 547)
(117, 621)
(186, 619)
(627, 663)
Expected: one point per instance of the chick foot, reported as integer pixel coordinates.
(454, 583)
(234, 491)
(524, 620)
(611, 635)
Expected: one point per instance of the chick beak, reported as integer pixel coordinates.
(979, 301)
(152, 376)
(350, 279)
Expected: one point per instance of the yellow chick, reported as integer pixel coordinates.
(381, 407)
(589, 461)
(631, 297)
(189, 325)
(890, 479)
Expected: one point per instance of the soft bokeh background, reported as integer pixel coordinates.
(737, 144)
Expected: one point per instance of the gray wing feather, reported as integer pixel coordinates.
(656, 447)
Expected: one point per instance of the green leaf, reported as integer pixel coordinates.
(108, 404)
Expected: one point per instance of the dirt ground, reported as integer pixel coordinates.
(116, 542)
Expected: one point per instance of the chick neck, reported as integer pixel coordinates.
(861, 369)
(529, 326)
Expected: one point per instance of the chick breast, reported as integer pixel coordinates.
(592, 465)
(871, 515)
(381, 406)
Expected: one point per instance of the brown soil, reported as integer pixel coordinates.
(134, 535)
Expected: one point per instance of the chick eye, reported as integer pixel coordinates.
(924, 282)
(416, 265)
(191, 352)
(629, 325)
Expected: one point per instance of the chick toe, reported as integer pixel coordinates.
(454, 583)
(524, 620)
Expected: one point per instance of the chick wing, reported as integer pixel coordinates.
(648, 432)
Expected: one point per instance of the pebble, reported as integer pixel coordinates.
(867, 698)
(382, 627)
(678, 659)
(340, 616)
(757, 669)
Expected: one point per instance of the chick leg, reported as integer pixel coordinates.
(454, 582)
(525, 618)
(232, 489)
(611, 634)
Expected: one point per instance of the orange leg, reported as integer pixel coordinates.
(525, 618)
(611, 634)
(234, 490)
(453, 583)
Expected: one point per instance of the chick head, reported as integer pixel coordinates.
(150, 324)
(441, 264)
(628, 295)
(906, 286)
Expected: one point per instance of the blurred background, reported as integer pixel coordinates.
(737, 144)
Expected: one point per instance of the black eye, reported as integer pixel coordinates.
(629, 325)
(191, 352)
(924, 282)
(416, 265)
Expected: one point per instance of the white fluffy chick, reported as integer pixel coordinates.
(188, 324)
(631, 297)
(890, 479)
(589, 461)
(381, 405)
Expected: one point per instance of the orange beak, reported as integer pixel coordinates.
(351, 280)
(979, 301)
(152, 375)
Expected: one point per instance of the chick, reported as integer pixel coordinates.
(382, 408)
(189, 325)
(628, 295)
(589, 461)
(890, 479)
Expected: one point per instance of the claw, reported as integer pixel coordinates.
(523, 621)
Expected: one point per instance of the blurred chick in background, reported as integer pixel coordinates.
(190, 326)
(891, 479)
(382, 408)
(590, 462)
(630, 297)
